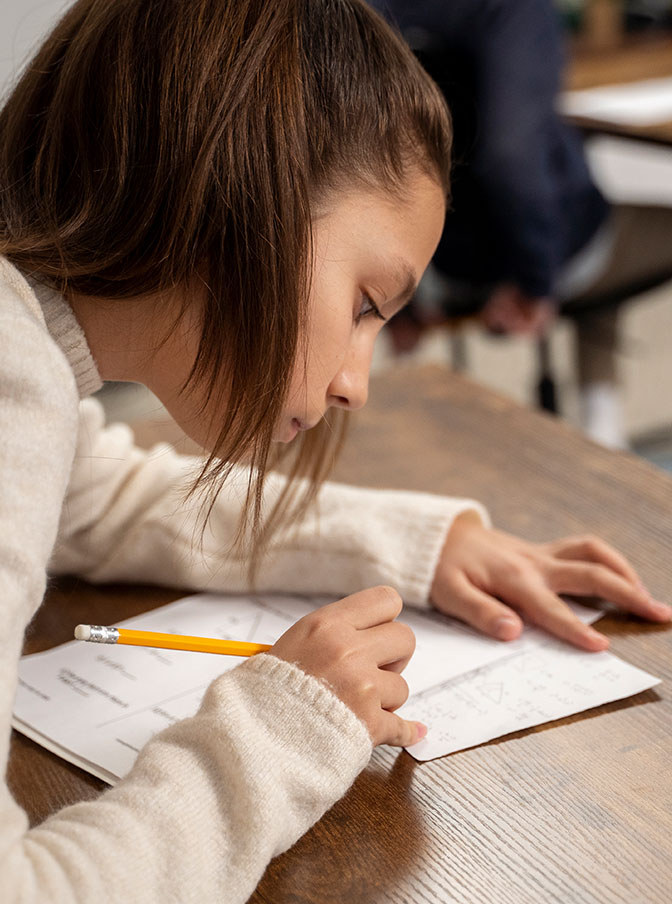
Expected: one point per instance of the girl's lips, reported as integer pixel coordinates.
(295, 427)
(300, 424)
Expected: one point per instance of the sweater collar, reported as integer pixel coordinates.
(66, 332)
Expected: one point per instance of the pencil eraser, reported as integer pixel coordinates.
(83, 632)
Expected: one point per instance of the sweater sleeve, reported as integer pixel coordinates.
(125, 520)
(208, 803)
(515, 157)
(211, 799)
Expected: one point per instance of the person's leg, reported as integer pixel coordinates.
(599, 396)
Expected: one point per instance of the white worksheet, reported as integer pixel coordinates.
(447, 648)
(642, 103)
(96, 705)
(539, 685)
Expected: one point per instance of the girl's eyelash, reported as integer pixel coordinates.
(373, 309)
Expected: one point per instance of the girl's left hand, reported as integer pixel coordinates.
(486, 577)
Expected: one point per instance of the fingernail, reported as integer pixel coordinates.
(661, 609)
(507, 628)
(422, 731)
(595, 635)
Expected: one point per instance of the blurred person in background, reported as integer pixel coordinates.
(529, 233)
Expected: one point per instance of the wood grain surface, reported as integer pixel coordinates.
(578, 810)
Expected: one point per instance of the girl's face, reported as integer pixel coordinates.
(370, 249)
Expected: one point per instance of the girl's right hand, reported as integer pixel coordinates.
(358, 649)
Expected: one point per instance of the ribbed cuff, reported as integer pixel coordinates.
(354, 742)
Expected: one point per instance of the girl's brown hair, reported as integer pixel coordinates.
(153, 143)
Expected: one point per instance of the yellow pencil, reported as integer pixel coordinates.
(102, 634)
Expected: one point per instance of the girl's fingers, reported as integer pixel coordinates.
(393, 690)
(479, 609)
(598, 580)
(392, 729)
(367, 608)
(593, 549)
(390, 646)
(547, 610)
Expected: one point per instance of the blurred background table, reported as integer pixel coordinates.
(578, 810)
(634, 59)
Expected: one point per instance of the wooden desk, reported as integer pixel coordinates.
(636, 59)
(575, 811)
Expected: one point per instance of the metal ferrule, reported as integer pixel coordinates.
(101, 634)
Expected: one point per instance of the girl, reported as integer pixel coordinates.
(225, 200)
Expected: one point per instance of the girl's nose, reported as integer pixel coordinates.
(350, 387)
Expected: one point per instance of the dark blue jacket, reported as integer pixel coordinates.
(523, 199)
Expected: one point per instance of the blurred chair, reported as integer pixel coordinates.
(638, 258)
(631, 255)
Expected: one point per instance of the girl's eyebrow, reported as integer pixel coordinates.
(404, 275)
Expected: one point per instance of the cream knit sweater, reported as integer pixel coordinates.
(212, 799)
